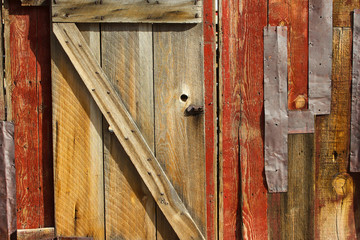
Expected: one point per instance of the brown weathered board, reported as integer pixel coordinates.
(136, 11)
(127, 59)
(296, 206)
(334, 216)
(125, 129)
(37, 233)
(179, 139)
(78, 147)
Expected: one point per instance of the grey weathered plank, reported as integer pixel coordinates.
(136, 11)
(127, 59)
(180, 139)
(126, 131)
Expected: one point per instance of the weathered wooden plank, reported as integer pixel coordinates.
(294, 15)
(7, 182)
(78, 147)
(297, 204)
(180, 139)
(333, 217)
(24, 112)
(31, 101)
(44, 109)
(275, 104)
(210, 64)
(136, 11)
(126, 131)
(38, 234)
(242, 120)
(342, 12)
(229, 110)
(7, 62)
(181, 150)
(127, 59)
(35, 3)
(2, 93)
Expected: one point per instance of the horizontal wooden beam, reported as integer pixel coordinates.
(38, 233)
(126, 131)
(34, 3)
(138, 11)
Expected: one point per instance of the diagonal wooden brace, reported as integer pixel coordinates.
(126, 131)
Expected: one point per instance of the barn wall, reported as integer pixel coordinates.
(242, 206)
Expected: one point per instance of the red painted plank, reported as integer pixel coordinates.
(31, 102)
(294, 14)
(253, 17)
(210, 115)
(229, 123)
(242, 25)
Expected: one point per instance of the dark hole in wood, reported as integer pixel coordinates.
(184, 97)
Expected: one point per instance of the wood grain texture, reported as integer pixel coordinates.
(35, 3)
(136, 11)
(210, 81)
(30, 111)
(230, 203)
(294, 15)
(2, 89)
(342, 12)
(7, 63)
(38, 234)
(334, 217)
(78, 147)
(126, 131)
(297, 204)
(242, 121)
(291, 214)
(180, 139)
(127, 59)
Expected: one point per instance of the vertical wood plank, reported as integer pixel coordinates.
(127, 59)
(334, 216)
(242, 120)
(78, 147)
(2, 89)
(229, 110)
(297, 204)
(43, 68)
(294, 15)
(210, 79)
(31, 102)
(7, 62)
(179, 139)
(342, 12)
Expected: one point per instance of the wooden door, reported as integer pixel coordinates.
(130, 159)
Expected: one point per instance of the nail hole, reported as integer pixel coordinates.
(184, 97)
